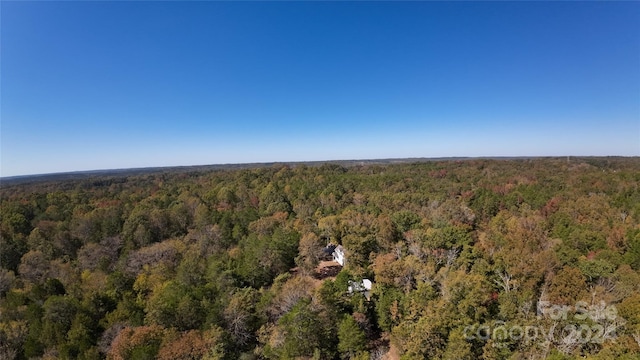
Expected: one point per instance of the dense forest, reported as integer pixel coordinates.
(473, 259)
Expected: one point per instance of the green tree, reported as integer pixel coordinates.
(59, 312)
(304, 332)
(173, 305)
(632, 256)
(388, 307)
(405, 220)
(263, 258)
(352, 339)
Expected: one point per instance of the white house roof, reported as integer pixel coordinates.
(367, 284)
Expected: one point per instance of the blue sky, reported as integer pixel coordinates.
(100, 85)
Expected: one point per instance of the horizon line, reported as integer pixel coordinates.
(261, 164)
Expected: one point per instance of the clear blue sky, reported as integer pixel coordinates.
(100, 85)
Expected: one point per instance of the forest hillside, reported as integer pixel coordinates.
(468, 259)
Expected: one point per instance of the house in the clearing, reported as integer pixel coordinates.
(338, 255)
(327, 252)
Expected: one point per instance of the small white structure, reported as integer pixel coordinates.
(338, 255)
(367, 284)
(364, 286)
